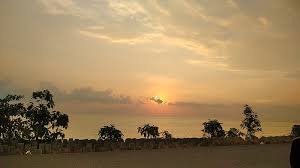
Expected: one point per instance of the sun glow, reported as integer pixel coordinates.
(162, 95)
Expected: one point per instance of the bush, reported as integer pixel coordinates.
(296, 131)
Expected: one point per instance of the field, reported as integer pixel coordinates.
(246, 156)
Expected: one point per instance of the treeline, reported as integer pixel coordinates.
(38, 121)
(211, 129)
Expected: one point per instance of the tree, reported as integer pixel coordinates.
(213, 128)
(296, 131)
(38, 121)
(251, 122)
(148, 131)
(110, 133)
(234, 132)
(12, 124)
(45, 123)
(166, 135)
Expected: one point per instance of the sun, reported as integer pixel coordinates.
(160, 95)
(158, 98)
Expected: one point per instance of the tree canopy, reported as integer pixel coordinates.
(36, 121)
(12, 112)
(251, 122)
(110, 133)
(213, 128)
(149, 131)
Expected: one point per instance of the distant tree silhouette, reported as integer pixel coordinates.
(12, 124)
(213, 128)
(295, 131)
(251, 122)
(110, 133)
(46, 124)
(166, 135)
(149, 131)
(234, 132)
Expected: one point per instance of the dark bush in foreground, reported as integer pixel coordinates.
(296, 131)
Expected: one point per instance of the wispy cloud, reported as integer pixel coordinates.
(206, 63)
(214, 29)
(65, 7)
(133, 40)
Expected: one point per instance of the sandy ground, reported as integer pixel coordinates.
(253, 156)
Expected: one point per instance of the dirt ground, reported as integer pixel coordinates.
(250, 156)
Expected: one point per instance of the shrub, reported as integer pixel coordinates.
(296, 131)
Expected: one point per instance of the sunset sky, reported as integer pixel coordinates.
(174, 63)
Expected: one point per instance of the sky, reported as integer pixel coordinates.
(174, 63)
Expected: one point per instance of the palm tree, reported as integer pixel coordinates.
(148, 131)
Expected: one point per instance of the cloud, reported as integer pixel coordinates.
(233, 4)
(65, 7)
(206, 63)
(156, 99)
(239, 34)
(128, 22)
(293, 75)
(128, 8)
(263, 21)
(131, 41)
(199, 105)
(87, 94)
(84, 95)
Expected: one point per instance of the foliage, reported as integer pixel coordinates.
(296, 131)
(234, 132)
(213, 128)
(11, 122)
(148, 131)
(38, 121)
(45, 123)
(251, 122)
(110, 133)
(166, 135)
